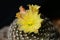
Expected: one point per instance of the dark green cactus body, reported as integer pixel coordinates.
(46, 32)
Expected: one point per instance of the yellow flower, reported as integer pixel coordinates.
(30, 21)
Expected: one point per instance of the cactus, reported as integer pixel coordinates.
(30, 26)
(46, 32)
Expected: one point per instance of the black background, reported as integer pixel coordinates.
(8, 9)
(7, 12)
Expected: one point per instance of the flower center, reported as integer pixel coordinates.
(30, 24)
